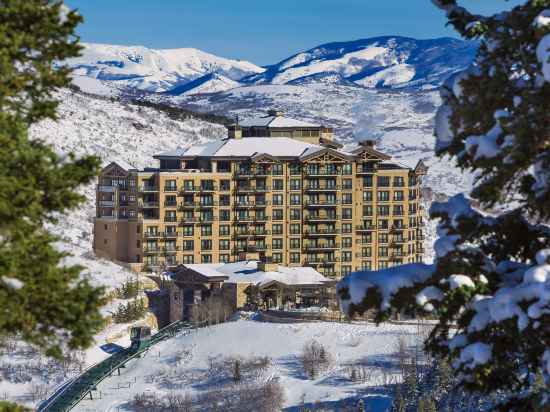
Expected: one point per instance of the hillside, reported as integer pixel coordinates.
(111, 130)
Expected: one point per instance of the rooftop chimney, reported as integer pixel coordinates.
(367, 143)
(274, 113)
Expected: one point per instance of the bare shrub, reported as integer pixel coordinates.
(212, 311)
(315, 359)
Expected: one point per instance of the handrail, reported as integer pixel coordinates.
(80, 386)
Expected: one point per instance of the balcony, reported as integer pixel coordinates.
(147, 205)
(322, 172)
(205, 205)
(363, 241)
(170, 204)
(170, 234)
(108, 189)
(318, 218)
(321, 232)
(107, 203)
(321, 203)
(328, 246)
(152, 234)
(365, 228)
(322, 188)
(251, 173)
(170, 189)
(170, 219)
(242, 205)
(363, 255)
(170, 249)
(188, 220)
(151, 249)
(321, 261)
(148, 188)
(211, 188)
(186, 205)
(207, 219)
(250, 189)
(366, 170)
(189, 189)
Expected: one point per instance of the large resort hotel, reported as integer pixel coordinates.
(276, 190)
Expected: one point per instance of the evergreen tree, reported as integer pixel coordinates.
(44, 302)
(491, 276)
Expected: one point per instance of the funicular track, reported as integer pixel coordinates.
(75, 390)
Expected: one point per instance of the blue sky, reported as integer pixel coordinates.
(261, 31)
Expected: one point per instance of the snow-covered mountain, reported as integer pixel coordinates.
(380, 62)
(389, 61)
(138, 67)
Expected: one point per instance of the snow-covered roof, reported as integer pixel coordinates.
(122, 163)
(275, 121)
(248, 272)
(247, 147)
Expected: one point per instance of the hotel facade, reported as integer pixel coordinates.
(276, 190)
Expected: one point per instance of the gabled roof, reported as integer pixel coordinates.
(421, 168)
(247, 272)
(275, 122)
(371, 151)
(311, 154)
(120, 163)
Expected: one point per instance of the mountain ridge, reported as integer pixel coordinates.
(376, 62)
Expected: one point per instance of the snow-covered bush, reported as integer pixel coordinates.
(489, 286)
(315, 359)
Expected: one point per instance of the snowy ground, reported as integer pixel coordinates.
(181, 364)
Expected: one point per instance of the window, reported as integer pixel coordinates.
(347, 198)
(412, 208)
(398, 196)
(366, 238)
(346, 227)
(207, 184)
(398, 181)
(206, 230)
(277, 229)
(383, 264)
(294, 257)
(187, 259)
(295, 184)
(383, 196)
(277, 184)
(277, 214)
(206, 244)
(132, 198)
(295, 228)
(412, 181)
(170, 186)
(383, 251)
(383, 181)
(138, 243)
(295, 214)
(187, 230)
(188, 245)
(277, 257)
(347, 184)
(225, 185)
(294, 243)
(398, 210)
(347, 213)
(367, 210)
(295, 169)
(382, 224)
(367, 181)
(224, 258)
(366, 251)
(346, 169)
(346, 242)
(277, 244)
(225, 215)
(225, 200)
(170, 216)
(132, 213)
(170, 200)
(398, 223)
(295, 199)
(224, 230)
(346, 270)
(412, 194)
(224, 244)
(277, 169)
(106, 227)
(188, 184)
(206, 258)
(383, 238)
(383, 210)
(277, 200)
(346, 256)
(366, 265)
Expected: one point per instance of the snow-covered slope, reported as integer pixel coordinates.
(209, 83)
(389, 61)
(152, 70)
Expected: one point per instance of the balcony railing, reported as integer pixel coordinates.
(186, 205)
(322, 172)
(170, 219)
(329, 246)
(312, 218)
(362, 228)
(152, 234)
(149, 188)
(170, 234)
(170, 188)
(189, 189)
(149, 204)
(321, 261)
(321, 188)
(108, 189)
(321, 203)
(107, 203)
(170, 204)
(321, 232)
